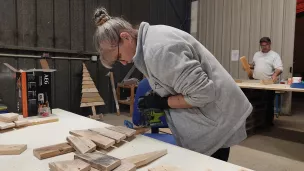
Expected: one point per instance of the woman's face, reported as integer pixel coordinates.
(123, 51)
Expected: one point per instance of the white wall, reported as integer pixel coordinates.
(225, 25)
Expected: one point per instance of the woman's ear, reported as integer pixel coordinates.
(125, 36)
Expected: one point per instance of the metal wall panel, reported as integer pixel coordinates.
(244, 22)
(68, 25)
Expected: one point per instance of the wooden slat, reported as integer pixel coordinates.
(125, 166)
(52, 150)
(81, 144)
(5, 125)
(38, 121)
(165, 168)
(99, 161)
(124, 130)
(86, 74)
(21, 123)
(85, 86)
(101, 141)
(88, 82)
(92, 104)
(13, 149)
(109, 133)
(144, 159)
(9, 117)
(91, 99)
(87, 78)
(90, 90)
(71, 165)
(90, 95)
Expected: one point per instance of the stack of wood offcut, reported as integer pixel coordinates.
(9, 121)
(91, 147)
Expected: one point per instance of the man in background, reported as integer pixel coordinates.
(267, 64)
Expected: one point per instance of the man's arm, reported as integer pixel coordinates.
(276, 73)
(278, 65)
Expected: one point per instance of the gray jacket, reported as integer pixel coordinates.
(176, 63)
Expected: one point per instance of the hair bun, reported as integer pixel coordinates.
(101, 16)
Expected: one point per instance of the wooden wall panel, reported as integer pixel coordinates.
(77, 24)
(45, 23)
(8, 32)
(62, 39)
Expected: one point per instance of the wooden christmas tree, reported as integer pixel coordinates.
(90, 96)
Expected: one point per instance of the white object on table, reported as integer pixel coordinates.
(57, 132)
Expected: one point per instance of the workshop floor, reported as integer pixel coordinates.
(279, 149)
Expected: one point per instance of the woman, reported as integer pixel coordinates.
(205, 109)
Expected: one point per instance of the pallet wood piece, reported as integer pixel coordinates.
(165, 168)
(101, 141)
(52, 150)
(88, 86)
(246, 66)
(267, 82)
(92, 104)
(99, 161)
(87, 82)
(86, 74)
(5, 125)
(86, 78)
(109, 133)
(81, 144)
(38, 121)
(238, 80)
(124, 130)
(21, 123)
(9, 117)
(144, 159)
(125, 166)
(86, 95)
(91, 99)
(114, 92)
(44, 64)
(13, 149)
(90, 90)
(70, 165)
(165, 130)
(85, 70)
(93, 169)
(95, 116)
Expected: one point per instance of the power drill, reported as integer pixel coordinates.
(151, 117)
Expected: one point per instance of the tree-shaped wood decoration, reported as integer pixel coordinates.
(90, 96)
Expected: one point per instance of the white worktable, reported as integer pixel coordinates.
(53, 133)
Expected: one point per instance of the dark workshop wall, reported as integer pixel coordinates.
(65, 28)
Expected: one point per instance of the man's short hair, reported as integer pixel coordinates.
(265, 39)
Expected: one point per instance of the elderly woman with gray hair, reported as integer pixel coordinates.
(205, 109)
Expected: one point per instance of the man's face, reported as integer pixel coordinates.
(265, 47)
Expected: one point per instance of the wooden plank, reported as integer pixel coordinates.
(44, 64)
(85, 78)
(38, 121)
(125, 166)
(90, 95)
(109, 133)
(9, 117)
(86, 74)
(124, 130)
(90, 90)
(92, 104)
(84, 70)
(21, 123)
(91, 99)
(12, 149)
(85, 86)
(267, 82)
(52, 150)
(101, 141)
(99, 161)
(144, 159)
(165, 130)
(165, 168)
(87, 82)
(6, 125)
(81, 144)
(70, 165)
